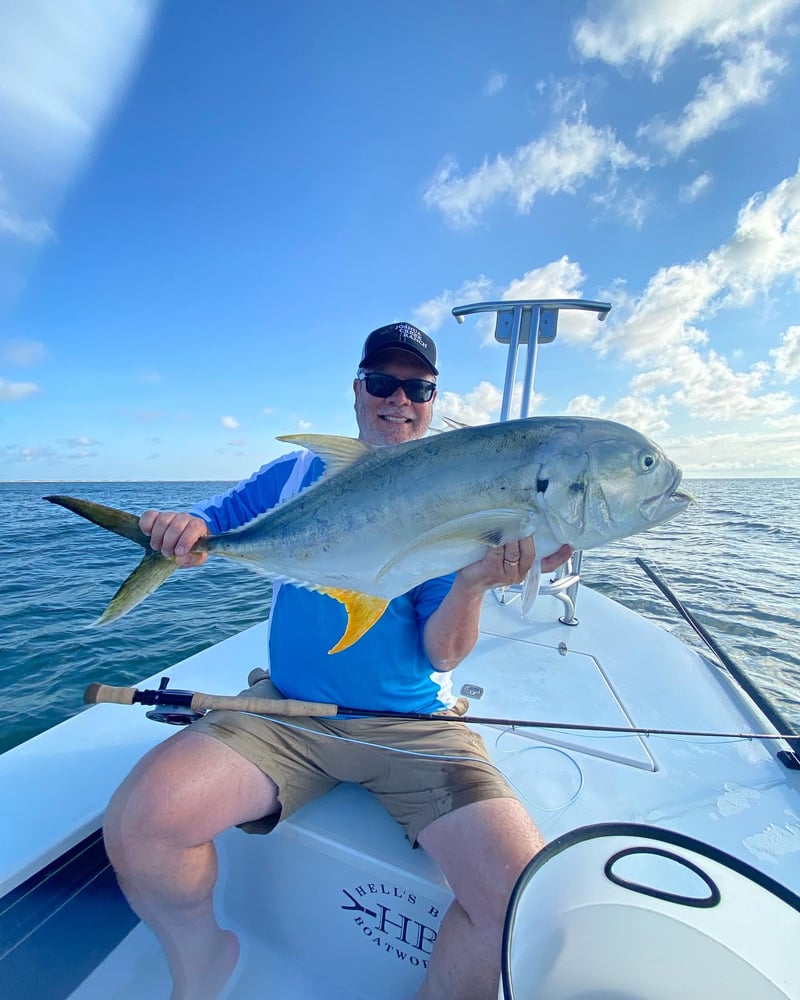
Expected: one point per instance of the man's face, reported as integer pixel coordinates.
(394, 419)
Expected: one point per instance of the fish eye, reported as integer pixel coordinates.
(647, 461)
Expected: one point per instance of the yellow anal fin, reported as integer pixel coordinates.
(363, 610)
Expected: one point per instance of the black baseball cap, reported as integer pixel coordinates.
(400, 337)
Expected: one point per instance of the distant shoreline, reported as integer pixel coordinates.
(33, 482)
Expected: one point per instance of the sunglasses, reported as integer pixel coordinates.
(418, 390)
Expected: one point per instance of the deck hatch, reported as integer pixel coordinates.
(528, 680)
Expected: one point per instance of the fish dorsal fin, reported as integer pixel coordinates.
(363, 610)
(336, 452)
(485, 527)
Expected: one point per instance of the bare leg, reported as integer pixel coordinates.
(159, 829)
(482, 849)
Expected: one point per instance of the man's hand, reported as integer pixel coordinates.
(509, 564)
(452, 630)
(174, 534)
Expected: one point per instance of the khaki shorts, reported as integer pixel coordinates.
(419, 770)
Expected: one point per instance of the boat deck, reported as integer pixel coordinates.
(335, 902)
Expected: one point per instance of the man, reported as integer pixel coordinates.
(234, 769)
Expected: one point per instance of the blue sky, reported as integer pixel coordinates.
(204, 208)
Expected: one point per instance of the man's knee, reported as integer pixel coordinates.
(184, 793)
(149, 804)
(134, 817)
(482, 849)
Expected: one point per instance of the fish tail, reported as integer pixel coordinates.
(148, 576)
(151, 572)
(109, 518)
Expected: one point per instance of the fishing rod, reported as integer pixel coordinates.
(179, 707)
(790, 758)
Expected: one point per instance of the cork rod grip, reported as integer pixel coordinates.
(97, 694)
(261, 706)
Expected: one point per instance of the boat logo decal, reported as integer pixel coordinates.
(400, 923)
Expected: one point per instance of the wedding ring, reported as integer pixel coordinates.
(512, 562)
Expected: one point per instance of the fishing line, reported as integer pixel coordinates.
(431, 755)
(437, 755)
(511, 727)
(520, 750)
(700, 739)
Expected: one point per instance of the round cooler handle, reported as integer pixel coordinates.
(712, 899)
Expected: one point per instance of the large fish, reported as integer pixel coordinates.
(383, 520)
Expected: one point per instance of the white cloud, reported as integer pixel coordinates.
(560, 161)
(662, 316)
(81, 442)
(662, 331)
(559, 279)
(626, 205)
(568, 96)
(479, 406)
(707, 387)
(764, 248)
(22, 352)
(644, 414)
(10, 392)
(495, 83)
(33, 453)
(31, 231)
(787, 356)
(431, 314)
(629, 31)
(743, 81)
(62, 69)
(691, 192)
(771, 449)
(304, 425)
(229, 423)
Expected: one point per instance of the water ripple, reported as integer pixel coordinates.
(733, 560)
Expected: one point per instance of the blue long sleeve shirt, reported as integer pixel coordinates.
(387, 669)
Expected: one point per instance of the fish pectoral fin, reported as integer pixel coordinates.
(485, 527)
(336, 452)
(531, 589)
(363, 610)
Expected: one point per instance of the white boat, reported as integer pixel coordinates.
(673, 863)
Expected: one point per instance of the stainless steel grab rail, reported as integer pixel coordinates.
(532, 322)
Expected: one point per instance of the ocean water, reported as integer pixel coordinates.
(734, 561)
